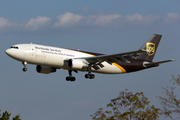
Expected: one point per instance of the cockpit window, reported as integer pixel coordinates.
(15, 47)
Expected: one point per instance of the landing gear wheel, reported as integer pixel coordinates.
(67, 78)
(73, 79)
(70, 78)
(90, 76)
(24, 69)
(87, 76)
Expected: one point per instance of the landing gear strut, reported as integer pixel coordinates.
(89, 75)
(24, 64)
(70, 77)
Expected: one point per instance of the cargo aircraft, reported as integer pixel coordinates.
(48, 59)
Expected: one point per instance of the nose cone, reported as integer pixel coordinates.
(15, 53)
(8, 52)
(11, 53)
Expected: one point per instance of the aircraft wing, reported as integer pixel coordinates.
(96, 61)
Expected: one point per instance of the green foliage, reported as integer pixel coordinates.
(128, 106)
(6, 116)
(170, 103)
(17, 117)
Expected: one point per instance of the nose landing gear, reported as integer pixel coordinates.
(24, 64)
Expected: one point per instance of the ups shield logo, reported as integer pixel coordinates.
(150, 48)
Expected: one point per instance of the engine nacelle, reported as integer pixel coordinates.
(45, 69)
(76, 64)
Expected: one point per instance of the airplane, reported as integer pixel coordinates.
(47, 59)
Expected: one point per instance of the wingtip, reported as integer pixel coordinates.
(173, 60)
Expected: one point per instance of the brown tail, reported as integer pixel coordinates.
(150, 46)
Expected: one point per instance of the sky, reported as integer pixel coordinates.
(102, 26)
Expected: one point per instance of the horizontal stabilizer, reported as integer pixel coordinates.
(157, 63)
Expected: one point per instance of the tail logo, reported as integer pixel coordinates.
(150, 48)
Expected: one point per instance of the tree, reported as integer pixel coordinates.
(170, 103)
(6, 116)
(128, 106)
(17, 117)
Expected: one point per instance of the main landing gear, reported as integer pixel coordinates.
(24, 64)
(89, 75)
(70, 77)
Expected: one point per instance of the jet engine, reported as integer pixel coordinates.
(45, 69)
(76, 64)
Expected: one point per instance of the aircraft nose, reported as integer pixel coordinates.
(10, 52)
(14, 53)
(7, 52)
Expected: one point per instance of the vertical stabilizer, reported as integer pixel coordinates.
(150, 46)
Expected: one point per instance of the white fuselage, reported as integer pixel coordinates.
(55, 57)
